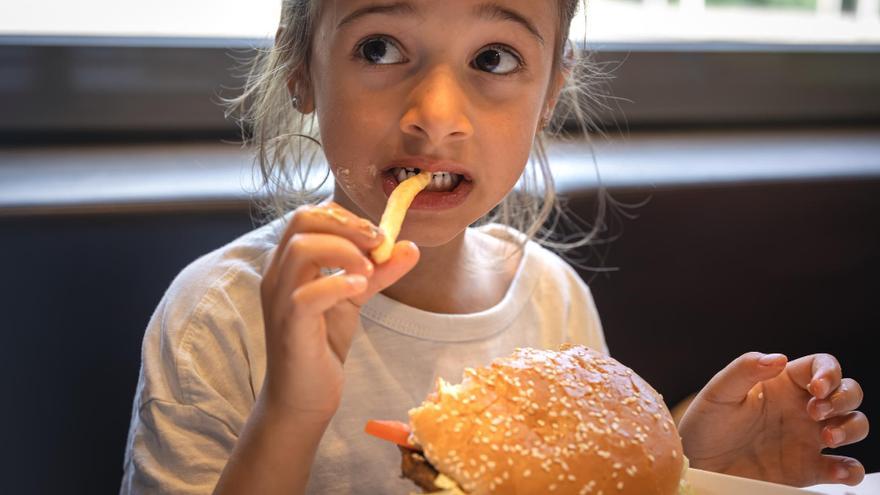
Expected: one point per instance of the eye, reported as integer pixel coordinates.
(498, 60)
(379, 50)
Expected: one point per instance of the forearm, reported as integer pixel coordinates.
(274, 454)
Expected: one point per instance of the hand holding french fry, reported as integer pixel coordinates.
(311, 318)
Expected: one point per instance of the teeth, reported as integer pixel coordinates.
(440, 181)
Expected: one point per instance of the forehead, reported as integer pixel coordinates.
(538, 16)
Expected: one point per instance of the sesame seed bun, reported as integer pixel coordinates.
(572, 421)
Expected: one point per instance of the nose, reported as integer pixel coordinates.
(437, 110)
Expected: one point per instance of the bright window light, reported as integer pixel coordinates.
(773, 21)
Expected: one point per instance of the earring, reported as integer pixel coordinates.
(545, 121)
(295, 101)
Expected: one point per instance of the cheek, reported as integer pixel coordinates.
(511, 146)
(352, 136)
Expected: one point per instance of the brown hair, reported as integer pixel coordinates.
(286, 141)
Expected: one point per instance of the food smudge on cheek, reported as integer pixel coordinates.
(343, 175)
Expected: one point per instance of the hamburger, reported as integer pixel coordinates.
(572, 421)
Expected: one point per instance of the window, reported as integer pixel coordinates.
(111, 67)
(781, 21)
(755, 21)
(165, 18)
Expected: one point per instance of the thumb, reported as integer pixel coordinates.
(733, 383)
(404, 257)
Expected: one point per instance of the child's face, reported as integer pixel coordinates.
(431, 79)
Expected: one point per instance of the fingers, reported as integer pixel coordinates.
(733, 383)
(404, 257)
(306, 254)
(846, 398)
(839, 469)
(314, 298)
(844, 430)
(329, 218)
(819, 374)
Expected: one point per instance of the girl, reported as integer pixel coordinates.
(260, 367)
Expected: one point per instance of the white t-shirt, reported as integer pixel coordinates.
(204, 360)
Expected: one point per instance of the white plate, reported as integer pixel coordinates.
(709, 483)
(869, 486)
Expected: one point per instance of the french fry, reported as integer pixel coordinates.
(395, 210)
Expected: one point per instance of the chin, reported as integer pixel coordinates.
(431, 233)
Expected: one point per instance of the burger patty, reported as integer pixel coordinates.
(415, 467)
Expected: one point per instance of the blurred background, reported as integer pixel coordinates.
(748, 131)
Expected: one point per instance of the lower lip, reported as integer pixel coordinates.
(431, 200)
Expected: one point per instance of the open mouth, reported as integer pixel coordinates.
(440, 181)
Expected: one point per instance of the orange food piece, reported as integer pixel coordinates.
(391, 431)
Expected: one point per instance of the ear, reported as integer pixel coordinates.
(552, 97)
(556, 84)
(298, 84)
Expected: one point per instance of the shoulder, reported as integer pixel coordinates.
(227, 275)
(206, 331)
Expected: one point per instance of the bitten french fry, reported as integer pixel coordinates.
(395, 210)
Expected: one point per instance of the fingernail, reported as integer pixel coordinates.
(357, 281)
(820, 387)
(823, 408)
(769, 359)
(841, 472)
(368, 266)
(837, 436)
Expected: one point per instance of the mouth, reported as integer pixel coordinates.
(446, 190)
(441, 181)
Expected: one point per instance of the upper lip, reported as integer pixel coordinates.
(430, 164)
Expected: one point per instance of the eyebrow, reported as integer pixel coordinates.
(397, 8)
(493, 11)
(488, 11)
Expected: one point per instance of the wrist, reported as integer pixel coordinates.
(283, 415)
